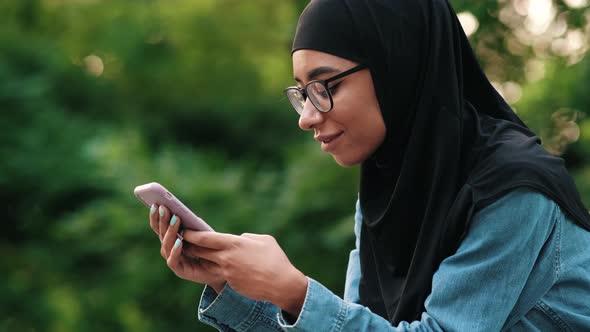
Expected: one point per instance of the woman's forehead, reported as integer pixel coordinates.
(306, 61)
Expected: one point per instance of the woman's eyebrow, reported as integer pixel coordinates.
(314, 73)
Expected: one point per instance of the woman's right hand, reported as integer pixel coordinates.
(184, 267)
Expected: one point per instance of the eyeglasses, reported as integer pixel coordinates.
(318, 91)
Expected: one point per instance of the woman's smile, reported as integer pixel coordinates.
(329, 142)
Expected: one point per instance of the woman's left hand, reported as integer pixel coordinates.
(253, 265)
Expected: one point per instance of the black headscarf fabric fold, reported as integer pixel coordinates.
(453, 145)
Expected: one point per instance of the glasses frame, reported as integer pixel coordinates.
(324, 83)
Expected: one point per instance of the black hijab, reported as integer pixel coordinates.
(453, 145)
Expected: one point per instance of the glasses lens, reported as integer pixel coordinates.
(296, 99)
(319, 96)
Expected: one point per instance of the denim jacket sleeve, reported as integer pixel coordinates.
(229, 311)
(475, 289)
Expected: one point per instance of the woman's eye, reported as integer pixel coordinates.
(334, 88)
(319, 90)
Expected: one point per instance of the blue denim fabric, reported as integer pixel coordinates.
(231, 311)
(353, 272)
(522, 266)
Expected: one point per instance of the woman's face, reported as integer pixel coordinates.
(354, 128)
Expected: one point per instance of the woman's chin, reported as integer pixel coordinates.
(346, 162)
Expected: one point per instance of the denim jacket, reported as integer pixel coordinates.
(522, 266)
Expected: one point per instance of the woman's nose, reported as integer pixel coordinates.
(310, 116)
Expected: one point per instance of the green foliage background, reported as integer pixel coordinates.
(97, 97)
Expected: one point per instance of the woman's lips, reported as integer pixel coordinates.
(329, 142)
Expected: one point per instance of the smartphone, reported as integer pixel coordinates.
(155, 193)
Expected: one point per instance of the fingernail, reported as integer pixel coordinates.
(161, 210)
(173, 220)
(153, 209)
(177, 243)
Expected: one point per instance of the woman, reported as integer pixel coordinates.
(464, 222)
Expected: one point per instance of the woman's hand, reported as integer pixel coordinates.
(183, 266)
(253, 265)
